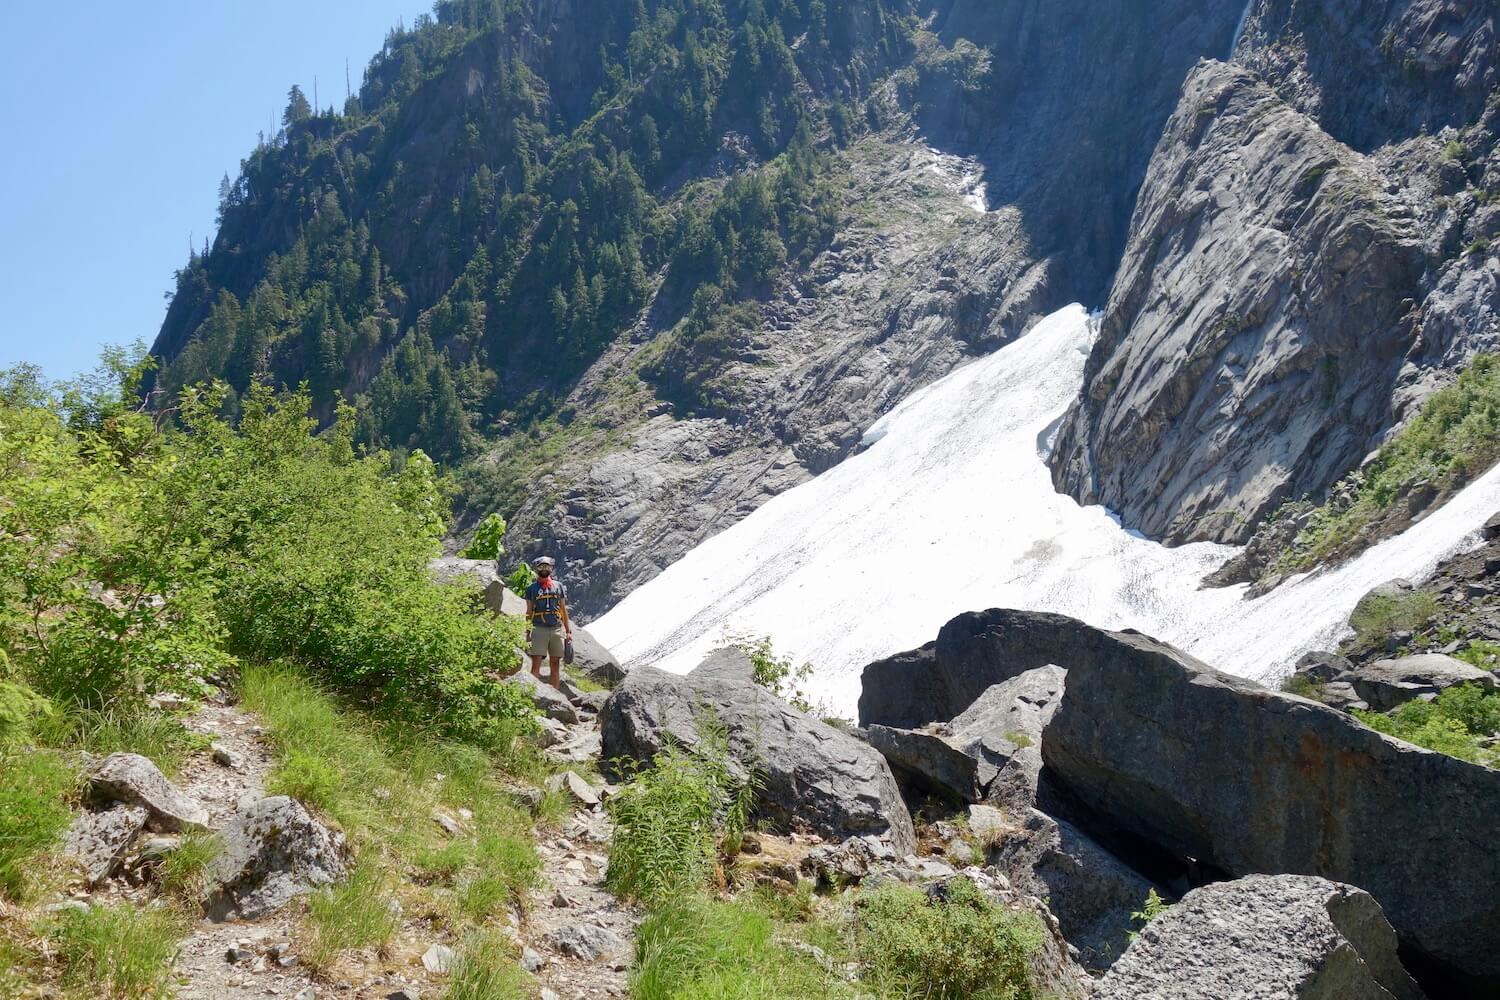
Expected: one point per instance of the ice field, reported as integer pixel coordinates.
(950, 508)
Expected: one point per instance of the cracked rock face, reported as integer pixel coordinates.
(1293, 936)
(100, 840)
(273, 851)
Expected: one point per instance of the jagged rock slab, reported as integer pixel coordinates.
(273, 851)
(1243, 779)
(813, 775)
(596, 662)
(1283, 936)
(1387, 684)
(929, 765)
(131, 778)
(100, 840)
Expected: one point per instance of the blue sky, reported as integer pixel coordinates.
(121, 119)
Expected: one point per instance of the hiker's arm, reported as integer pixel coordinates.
(562, 605)
(528, 621)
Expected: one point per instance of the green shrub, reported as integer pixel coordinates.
(486, 970)
(1456, 434)
(1454, 723)
(665, 835)
(1302, 686)
(775, 673)
(522, 577)
(486, 542)
(966, 947)
(21, 709)
(34, 791)
(119, 952)
(356, 913)
(1376, 617)
(1481, 653)
(694, 948)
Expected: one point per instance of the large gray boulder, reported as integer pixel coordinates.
(594, 660)
(1244, 779)
(273, 850)
(1260, 937)
(1387, 684)
(131, 778)
(548, 700)
(483, 574)
(812, 774)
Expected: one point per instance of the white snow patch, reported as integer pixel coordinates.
(952, 509)
(961, 174)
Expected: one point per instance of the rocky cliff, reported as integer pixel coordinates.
(1307, 259)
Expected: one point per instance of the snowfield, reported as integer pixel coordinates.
(950, 508)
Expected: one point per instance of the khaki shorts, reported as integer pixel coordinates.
(546, 641)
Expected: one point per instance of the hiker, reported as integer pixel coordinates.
(547, 624)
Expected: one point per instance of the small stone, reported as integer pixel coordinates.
(409, 993)
(467, 815)
(438, 959)
(260, 965)
(576, 786)
(311, 993)
(225, 757)
(235, 954)
(66, 906)
(531, 959)
(549, 994)
(287, 961)
(450, 826)
(589, 942)
(561, 900)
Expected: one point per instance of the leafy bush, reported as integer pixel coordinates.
(1454, 723)
(964, 947)
(34, 789)
(118, 952)
(1481, 653)
(1153, 907)
(695, 948)
(486, 542)
(1456, 435)
(20, 710)
(520, 579)
(775, 673)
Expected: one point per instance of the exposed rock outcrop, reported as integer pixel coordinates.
(1242, 779)
(133, 779)
(812, 774)
(1284, 936)
(484, 574)
(1257, 323)
(273, 851)
(100, 840)
(1387, 684)
(548, 700)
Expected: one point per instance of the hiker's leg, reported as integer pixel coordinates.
(536, 666)
(557, 672)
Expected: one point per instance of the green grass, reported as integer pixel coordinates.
(181, 872)
(156, 735)
(356, 913)
(486, 970)
(1481, 653)
(383, 784)
(120, 952)
(1302, 686)
(1455, 436)
(694, 948)
(1454, 723)
(964, 948)
(35, 788)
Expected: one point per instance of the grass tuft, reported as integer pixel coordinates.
(486, 970)
(181, 872)
(118, 952)
(356, 913)
(155, 735)
(34, 791)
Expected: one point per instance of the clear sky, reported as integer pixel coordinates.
(122, 118)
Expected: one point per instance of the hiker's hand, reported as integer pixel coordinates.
(528, 635)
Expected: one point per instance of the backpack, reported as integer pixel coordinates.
(546, 605)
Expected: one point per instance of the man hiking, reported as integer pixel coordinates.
(546, 621)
